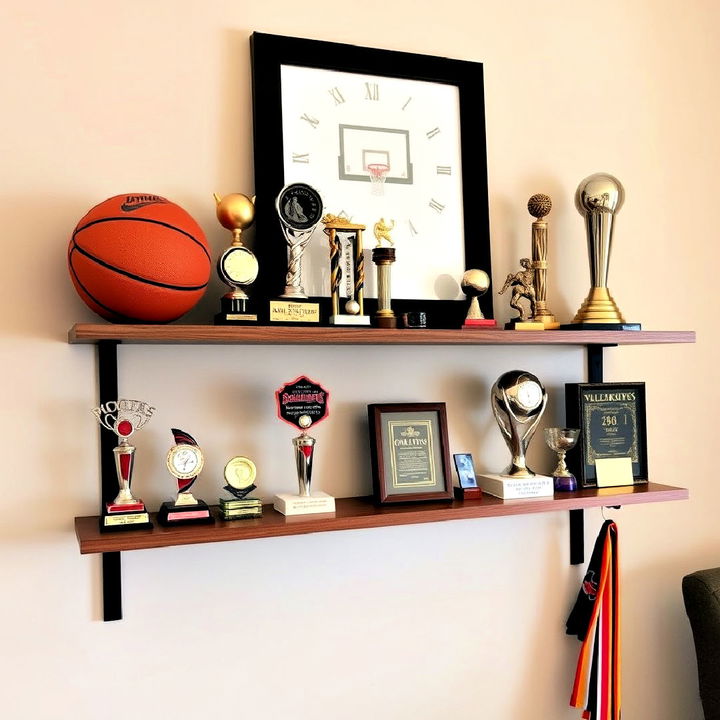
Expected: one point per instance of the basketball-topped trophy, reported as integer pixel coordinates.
(339, 229)
(598, 199)
(124, 417)
(539, 207)
(475, 283)
(302, 404)
(299, 208)
(237, 266)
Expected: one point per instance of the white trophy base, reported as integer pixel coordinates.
(318, 502)
(509, 488)
(349, 319)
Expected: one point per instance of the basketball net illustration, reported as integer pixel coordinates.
(377, 171)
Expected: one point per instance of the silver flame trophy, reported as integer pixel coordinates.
(124, 417)
(302, 404)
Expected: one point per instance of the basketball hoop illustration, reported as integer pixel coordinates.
(377, 171)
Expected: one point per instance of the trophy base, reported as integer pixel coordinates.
(386, 322)
(235, 311)
(524, 325)
(122, 521)
(294, 312)
(350, 320)
(549, 322)
(601, 326)
(467, 493)
(599, 307)
(318, 502)
(240, 509)
(509, 488)
(235, 319)
(479, 324)
(564, 483)
(171, 514)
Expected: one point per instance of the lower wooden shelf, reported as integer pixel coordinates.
(361, 513)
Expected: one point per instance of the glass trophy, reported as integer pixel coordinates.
(124, 417)
(240, 473)
(302, 404)
(185, 461)
(561, 440)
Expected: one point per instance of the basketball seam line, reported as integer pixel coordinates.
(86, 291)
(148, 220)
(130, 275)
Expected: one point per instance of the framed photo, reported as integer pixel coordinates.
(409, 451)
(612, 422)
(387, 138)
(465, 470)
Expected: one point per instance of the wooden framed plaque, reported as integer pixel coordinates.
(409, 450)
(612, 422)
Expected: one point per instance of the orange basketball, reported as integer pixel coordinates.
(139, 258)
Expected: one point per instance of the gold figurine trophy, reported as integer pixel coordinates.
(237, 266)
(598, 199)
(475, 283)
(384, 257)
(522, 283)
(539, 207)
(335, 228)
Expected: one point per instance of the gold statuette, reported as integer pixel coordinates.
(539, 207)
(522, 283)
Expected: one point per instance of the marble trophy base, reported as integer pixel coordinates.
(119, 518)
(317, 502)
(510, 488)
(171, 514)
(355, 320)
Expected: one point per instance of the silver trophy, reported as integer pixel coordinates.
(561, 440)
(518, 402)
(304, 447)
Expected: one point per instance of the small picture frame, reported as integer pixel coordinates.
(612, 422)
(465, 470)
(409, 452)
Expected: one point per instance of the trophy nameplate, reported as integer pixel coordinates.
(124, 417)
(302, 404)
(299, 208)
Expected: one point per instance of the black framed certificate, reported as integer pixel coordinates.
(409, 450)
(612, 422)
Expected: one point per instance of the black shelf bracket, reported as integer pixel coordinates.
(107, 391)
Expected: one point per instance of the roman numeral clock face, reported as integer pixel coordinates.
(338, 127)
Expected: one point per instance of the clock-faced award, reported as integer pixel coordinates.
(124, 417)
(299, 208)
(302, 404)
(184, 462)
(598, 199)
(237, 266)
(475, 283)
(518, 401)
(240, 473)
(347, 262)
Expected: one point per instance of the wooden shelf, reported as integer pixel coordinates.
(361, 513)
(91, 333)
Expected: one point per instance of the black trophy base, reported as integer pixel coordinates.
(235, 311)
(601, 326)
(124, 521)
(171, 514)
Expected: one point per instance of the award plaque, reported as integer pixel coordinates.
(302, 404)
(518, 402)
(347, 260)
(475, 283)
(124, 417)
(612, 449)
(467, 482)
(185, 461)
(240, 473)
(237, 266)
(299, 208)
(409, 450)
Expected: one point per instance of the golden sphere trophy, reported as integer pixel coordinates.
(237, 266)
(124, 417)
(240, 473)
(475, 283)
(384, 257)
(335, 227)
(539, 207)
(518, 401)
(303, 403)
(598, 199)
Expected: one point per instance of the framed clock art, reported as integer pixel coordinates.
(391, 140)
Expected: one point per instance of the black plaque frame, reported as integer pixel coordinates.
(577, 413)
(268, 54)
(379, 452)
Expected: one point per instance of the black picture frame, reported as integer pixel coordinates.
(398, 476)
(465, 469)
(268, 54)
(612, 422)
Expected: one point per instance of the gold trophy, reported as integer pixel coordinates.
(598, 199)
(539, 207)
(384, 257)
(522, 283)
(335, 227)
(475, 283)
(237, 266)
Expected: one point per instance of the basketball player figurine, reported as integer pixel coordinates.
(237, 266)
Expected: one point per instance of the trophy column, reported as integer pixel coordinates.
(384, 257)
(539, 207)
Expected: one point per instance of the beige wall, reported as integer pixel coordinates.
(462, 619)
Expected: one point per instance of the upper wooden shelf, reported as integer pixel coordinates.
(361, 513)
(262, 335)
